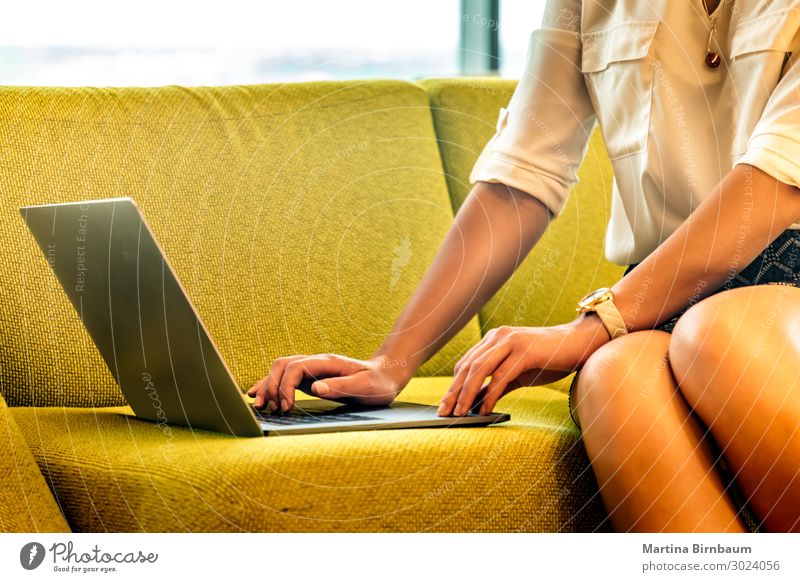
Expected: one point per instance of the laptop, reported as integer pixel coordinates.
(155, 344)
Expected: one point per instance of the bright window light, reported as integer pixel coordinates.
(518, 18)
(200, 42)
(222, 42)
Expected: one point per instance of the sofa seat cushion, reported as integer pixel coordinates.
(114, 472)
(26, 504)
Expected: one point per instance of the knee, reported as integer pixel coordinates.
(730, 327)
(729, 333)
(620, 375)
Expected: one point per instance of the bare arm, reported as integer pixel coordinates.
(492, 233)
(746, 211)
(542, 134)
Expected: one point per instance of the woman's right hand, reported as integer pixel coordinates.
(376, 381)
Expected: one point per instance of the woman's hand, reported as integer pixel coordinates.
(520, 356)
(376, 381)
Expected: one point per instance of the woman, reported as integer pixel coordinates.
(699, 106)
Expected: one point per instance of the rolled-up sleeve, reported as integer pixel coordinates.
(542, 135)
(774, 144)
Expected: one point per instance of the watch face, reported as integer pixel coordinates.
(590, 301)
(593, 296)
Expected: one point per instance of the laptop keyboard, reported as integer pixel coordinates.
(299, 417)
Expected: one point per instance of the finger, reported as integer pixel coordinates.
(353, 386)
(271, 388)
(500, 382)
(467, 357)
(293, 374)
(448, 402)
(315, 367)
(256, 387)
(480, 397)
(476, 376)
(480, 369)
(266, 389)
(259, 389)
(323, 365)
(488, 339)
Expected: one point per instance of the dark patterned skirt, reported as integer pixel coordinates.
(778, 264)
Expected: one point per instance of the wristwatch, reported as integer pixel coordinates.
(601, 301)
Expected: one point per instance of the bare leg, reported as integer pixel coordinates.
(648, 452)
(736, 355)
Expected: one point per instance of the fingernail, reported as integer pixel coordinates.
(321, 388)
(272, 406)
(457, 411)
(285, 405)
(441, 408)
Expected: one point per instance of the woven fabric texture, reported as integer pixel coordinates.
(26, 503)
(568, 261)
(118, 473)
(299, 218)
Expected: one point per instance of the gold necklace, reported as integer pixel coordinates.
(712, 59)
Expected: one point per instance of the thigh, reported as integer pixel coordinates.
(735, 356)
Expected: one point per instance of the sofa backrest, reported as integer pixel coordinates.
(299, 217)
(26, 502)
(568, 261)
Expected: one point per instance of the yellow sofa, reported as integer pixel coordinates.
(300, 218)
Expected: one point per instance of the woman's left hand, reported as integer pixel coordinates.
(520, 356)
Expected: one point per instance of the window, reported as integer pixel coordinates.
(517, 20)
(203, 42)
(222, 42)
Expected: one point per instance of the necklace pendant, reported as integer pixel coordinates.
(712, 59)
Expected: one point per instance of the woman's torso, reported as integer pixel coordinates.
(674, 127)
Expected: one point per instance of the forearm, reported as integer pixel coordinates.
(493, 231)
(746, 211)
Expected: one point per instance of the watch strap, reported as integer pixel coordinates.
(611, 318)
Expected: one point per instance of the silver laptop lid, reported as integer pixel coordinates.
(143, 323)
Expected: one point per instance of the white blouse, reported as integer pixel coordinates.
(672, 126)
